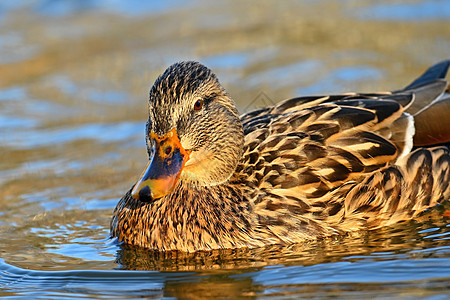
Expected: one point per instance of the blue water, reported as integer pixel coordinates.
(376, 275)
(413, 11)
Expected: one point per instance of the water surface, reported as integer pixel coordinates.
(74, 81)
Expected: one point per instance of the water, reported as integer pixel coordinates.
(74, 80)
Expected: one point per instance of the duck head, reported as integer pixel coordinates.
(194, 133)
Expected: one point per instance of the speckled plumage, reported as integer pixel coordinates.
(305, 168)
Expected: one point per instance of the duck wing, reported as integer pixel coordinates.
(430, 107)
(315, 149)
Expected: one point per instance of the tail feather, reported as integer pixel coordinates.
(437, 71)
(431, 106)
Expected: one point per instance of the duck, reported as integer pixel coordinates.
(306, 168)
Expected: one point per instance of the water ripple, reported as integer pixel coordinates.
(101, 132)
(41, 284)
(356, 272)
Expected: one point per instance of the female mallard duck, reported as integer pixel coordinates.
(302, 169)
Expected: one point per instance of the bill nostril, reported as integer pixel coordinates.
(145, 194)
(168, 150)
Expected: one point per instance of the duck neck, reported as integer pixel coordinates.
(191, 218)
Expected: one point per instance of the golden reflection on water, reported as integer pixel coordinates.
(73, 92)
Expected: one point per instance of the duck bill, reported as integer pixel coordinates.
(164, 168)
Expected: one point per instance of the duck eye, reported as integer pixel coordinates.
(198, 104)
